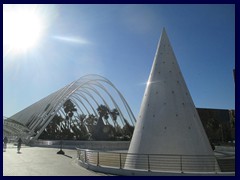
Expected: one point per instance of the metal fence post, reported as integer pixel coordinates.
(215, 164)
(181, 163)
(78, 154)
(85, 154)
(98, 158)
(148, 162)
(120, 161)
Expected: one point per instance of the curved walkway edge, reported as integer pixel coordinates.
(135, 172)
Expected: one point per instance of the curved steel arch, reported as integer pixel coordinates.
(37, 116)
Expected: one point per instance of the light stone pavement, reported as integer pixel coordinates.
(37, 161)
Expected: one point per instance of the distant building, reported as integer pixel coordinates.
(219, 124)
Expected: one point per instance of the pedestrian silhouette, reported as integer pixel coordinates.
(19, 145)
(5, 141)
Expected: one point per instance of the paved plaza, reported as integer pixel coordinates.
(37, 161)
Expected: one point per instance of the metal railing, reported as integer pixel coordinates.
(149, 162)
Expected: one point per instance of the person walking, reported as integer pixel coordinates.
(5, 141)
(19, 145)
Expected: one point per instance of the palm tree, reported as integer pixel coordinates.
(117, 128)
(128, 129)
(114, 113)
(103, 112)
(69, 109)
(100, 131)
(91, 120)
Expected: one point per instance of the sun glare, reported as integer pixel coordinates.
(22, 28)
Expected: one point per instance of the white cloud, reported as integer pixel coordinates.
(72, 39)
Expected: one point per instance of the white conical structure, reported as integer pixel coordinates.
(168, 121)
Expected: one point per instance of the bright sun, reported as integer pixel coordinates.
(22, 28)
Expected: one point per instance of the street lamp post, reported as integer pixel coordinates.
(221, 127)
(61, 151)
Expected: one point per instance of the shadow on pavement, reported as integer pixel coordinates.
(67, 156)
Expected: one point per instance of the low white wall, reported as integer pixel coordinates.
(225, 148)
(94, 145)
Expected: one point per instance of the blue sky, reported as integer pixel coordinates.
(119, 43)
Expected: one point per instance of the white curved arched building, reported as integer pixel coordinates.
(87, 94)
